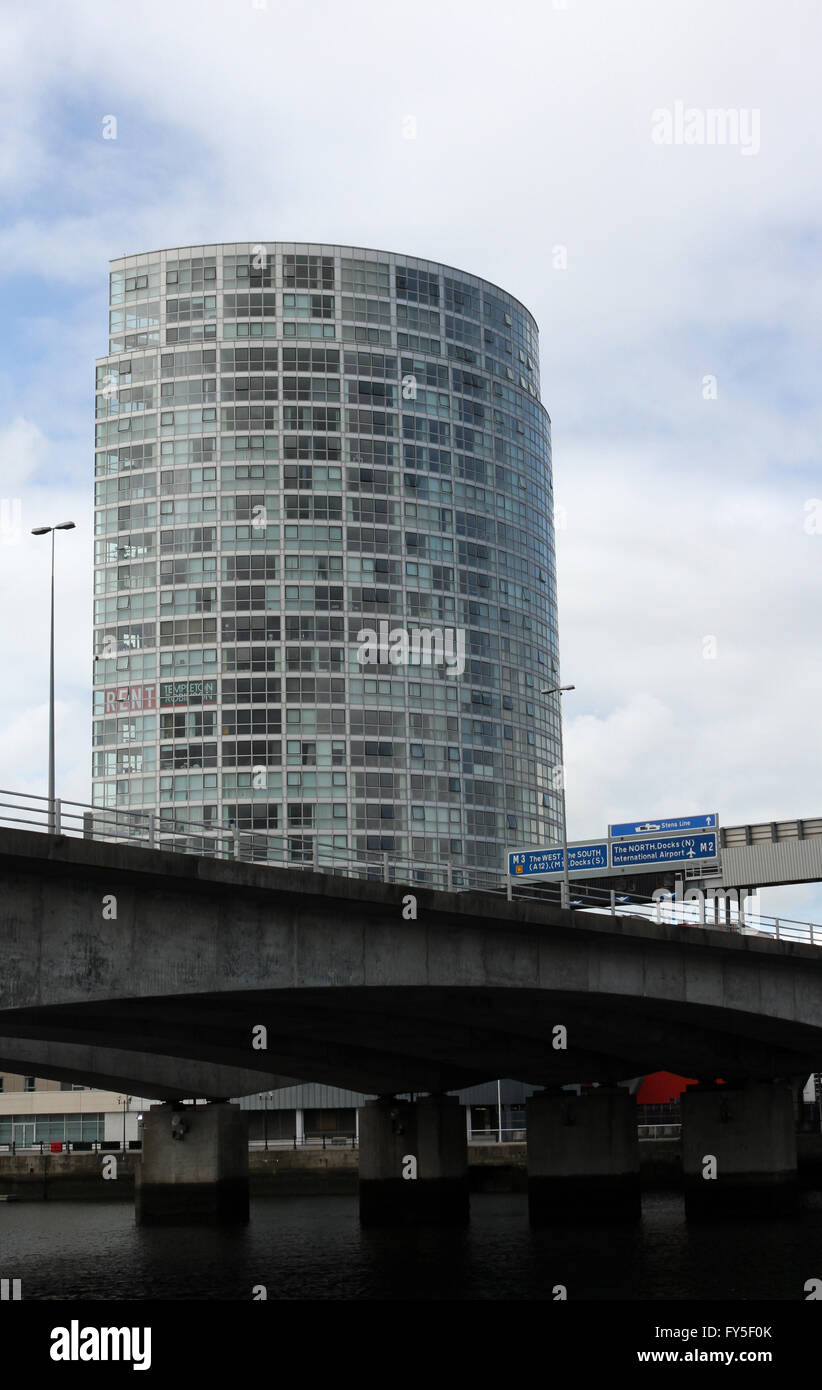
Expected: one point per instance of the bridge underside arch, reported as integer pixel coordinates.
(393, 1039)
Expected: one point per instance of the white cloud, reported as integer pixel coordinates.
(23, 449)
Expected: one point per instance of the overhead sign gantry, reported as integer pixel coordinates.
(628, 846)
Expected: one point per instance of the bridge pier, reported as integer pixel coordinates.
(413, 1162)
(194, 1166)
(739, 1151)
(583, 1157)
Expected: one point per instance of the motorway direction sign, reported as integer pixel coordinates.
(549, 861)
(664, 849)
(634, 851)
(664, 825)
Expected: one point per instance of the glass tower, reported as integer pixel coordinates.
(325, 596)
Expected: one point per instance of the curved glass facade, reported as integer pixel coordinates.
(325, 596)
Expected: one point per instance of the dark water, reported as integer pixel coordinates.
(314, 1248)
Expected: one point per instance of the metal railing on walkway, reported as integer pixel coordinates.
(306, 1141)
(167, 831)
(671, 1131)
(514, 1135)
(66, 1146)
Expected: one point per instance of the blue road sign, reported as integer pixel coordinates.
(664, 825)
(549, 861)
(664, 849)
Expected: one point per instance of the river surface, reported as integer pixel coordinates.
(314, 1248)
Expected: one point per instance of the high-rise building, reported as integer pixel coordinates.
(325, 594)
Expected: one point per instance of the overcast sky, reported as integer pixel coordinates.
(676, 286)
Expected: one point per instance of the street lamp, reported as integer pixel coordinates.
(125, 1101)
(44, 531)
(559, 690)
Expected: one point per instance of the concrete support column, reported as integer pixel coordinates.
(413, 1162)
(583, 1156)
(739, 1150)
(193, 1166)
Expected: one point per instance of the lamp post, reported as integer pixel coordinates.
(126, 1101)
(559, 690)
(44, 531)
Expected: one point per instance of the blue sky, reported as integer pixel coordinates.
(685, 516)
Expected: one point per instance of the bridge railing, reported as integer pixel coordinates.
(166, 830)
(718, 913)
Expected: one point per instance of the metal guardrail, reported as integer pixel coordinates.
(495, 1136)
(310, 1144)
(114, 1146)
(166, 831)
(43, 1146)
(649, 1132)
(307, 1141)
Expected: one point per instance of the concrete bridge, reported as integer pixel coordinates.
(174, 976)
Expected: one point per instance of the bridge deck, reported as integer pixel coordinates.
(358, 986)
